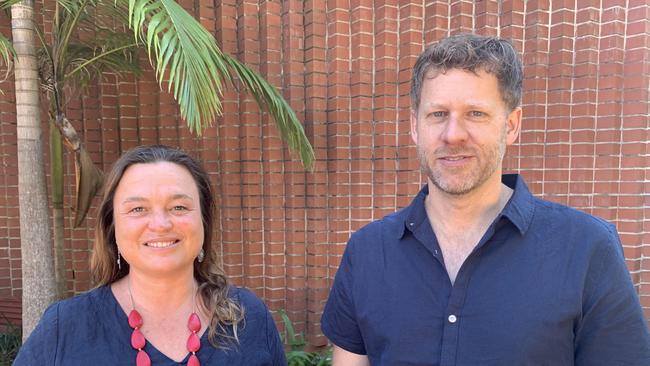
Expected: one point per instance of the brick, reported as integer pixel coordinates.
(345, 67)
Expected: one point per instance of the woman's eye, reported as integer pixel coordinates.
(180, 208)
(136, 210)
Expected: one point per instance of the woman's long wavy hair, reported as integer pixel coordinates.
(213, 283)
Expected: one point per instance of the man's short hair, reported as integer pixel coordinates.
(473, 53)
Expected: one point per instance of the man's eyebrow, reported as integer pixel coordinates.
(477, 105)
(434, 105)
(468, 104)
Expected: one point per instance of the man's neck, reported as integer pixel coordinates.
(459, 221)
(480, 205)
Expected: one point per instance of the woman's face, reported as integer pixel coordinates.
(157, 214)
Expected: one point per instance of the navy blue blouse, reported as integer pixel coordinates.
(92, 329)
(546, 285)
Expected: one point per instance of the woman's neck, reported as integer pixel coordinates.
(161, 294)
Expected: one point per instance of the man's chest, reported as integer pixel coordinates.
(457, 243)
(497, 312)
(456, 247)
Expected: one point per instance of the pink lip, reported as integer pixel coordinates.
(161, 243)
(454, 161)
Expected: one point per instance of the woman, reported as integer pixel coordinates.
(161, 296)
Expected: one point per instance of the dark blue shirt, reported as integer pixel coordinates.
(92, 329)
(546, 285)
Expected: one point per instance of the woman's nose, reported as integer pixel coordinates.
(160, 220)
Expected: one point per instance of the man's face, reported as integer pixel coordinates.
(461, 129)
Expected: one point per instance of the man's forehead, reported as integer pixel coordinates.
(434, 72)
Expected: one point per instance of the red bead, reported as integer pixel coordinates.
(142, 359)
(193, 343)
(193, 361)
(135, 320)
(137, 339)
(194, 323)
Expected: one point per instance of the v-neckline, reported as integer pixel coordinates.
(113, 307)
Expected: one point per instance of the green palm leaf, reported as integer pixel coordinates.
(83, 63)
(186, 57)
(96, 18)
(6, 4)
(6, 49)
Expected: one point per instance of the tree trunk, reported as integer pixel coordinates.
(58, 222)
(38, 284)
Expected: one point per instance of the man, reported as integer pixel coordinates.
(477, 271)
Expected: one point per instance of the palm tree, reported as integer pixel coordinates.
(185, 57)
(37, 267)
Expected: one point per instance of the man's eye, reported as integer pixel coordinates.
(180, 208)
(136, 210)
(477, 114)
(439, 114)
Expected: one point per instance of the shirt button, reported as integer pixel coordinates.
(452, 319)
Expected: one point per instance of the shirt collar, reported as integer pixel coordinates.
(518, 210)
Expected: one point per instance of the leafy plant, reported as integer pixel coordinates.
(10, 342)
(296, 355)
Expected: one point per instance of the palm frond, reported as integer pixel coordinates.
(84, 63)
(188, 59)
(103, 14)
(6, 4)
(108, 51)
(285, 118)
(68, 19)
(111, 13)
(6, 50)
(175, 39)
(88, 41)
(71, 6)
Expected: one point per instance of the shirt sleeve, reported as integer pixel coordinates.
(339, 322)
(612, 330)
(41, 346)
(276, 348)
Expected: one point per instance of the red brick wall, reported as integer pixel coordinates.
(344, 65)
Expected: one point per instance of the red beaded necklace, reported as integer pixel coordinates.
(138, 341)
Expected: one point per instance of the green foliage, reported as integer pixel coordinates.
(184, 54)
(85, 42)
(10, 342)
(6, 4)
(187, 58)
(6, 48)
(297, 356)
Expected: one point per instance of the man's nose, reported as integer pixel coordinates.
(455, 130)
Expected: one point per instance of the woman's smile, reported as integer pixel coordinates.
(158, 223)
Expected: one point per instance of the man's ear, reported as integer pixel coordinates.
(513, 126)
(414, 127)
